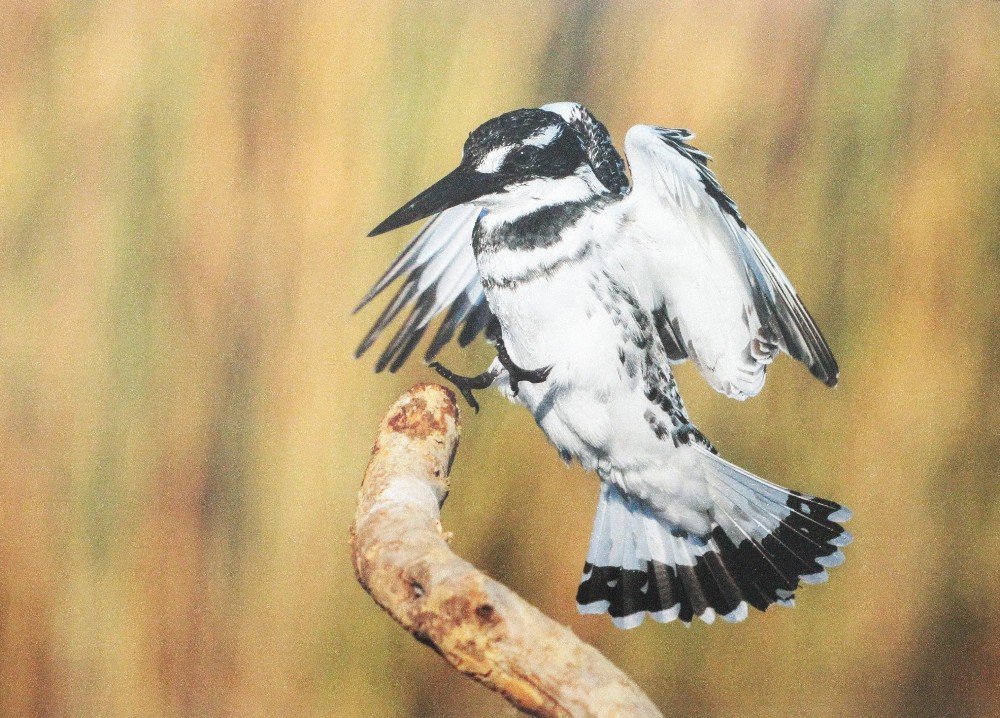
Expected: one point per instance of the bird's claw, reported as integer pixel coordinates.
(532, 376)
(515, 373)
(465, 384)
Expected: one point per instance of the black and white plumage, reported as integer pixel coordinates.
(591, 287)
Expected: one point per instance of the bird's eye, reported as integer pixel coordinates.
(523, 155)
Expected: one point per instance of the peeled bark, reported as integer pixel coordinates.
(482, 628)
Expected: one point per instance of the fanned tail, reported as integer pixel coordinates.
(765, 540)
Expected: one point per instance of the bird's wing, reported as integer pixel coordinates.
(715, 291)
(441, 275)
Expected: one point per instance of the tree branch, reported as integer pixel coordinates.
(481, 627)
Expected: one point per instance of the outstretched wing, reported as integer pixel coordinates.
(441, 275)
(717, 294)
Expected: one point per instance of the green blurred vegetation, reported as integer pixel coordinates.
(184, 194)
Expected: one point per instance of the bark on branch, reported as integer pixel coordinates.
(481, 627)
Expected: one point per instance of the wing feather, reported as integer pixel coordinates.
(726, 303)
(457, 312)
(441, 275)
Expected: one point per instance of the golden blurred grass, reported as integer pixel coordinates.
(184, 194)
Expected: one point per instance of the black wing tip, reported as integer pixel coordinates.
(825, 368)
(364, 302)
(375, 290)
(366, 343)
(828, 373)
(360, 352)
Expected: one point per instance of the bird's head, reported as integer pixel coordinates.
(514, 156)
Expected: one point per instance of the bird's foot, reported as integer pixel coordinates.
(466, 384)
(516, 373)
(532, 376)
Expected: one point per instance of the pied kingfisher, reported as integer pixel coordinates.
(591, 286)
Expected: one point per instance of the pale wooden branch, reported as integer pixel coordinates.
(481, 627)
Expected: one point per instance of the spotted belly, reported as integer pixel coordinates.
(610, 400)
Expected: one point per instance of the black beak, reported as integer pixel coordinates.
(457, 187)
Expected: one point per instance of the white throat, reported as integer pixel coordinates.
(527, 197)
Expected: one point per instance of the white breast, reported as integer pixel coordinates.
(556, 319)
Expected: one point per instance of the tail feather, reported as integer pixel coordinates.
(697, 602)
(805, 534)
(764, 542)
(730, 604)
(745, 573)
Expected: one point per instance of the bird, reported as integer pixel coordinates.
(592, 279)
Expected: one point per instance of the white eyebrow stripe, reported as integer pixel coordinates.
(494, 159)
(540, 139)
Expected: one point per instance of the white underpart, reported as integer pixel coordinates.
(493, 160)
(589, 407)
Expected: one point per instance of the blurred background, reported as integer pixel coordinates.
(185, 190)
